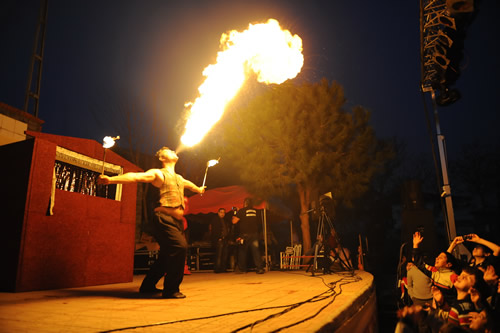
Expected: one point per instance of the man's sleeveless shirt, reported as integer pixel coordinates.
(172, 190)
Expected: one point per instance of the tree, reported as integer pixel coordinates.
(301, 138)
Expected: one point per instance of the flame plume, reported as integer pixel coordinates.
(273, 54)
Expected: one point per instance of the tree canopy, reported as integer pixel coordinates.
(300, 137)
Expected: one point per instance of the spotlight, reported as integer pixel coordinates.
(443, 39)
(441, 60)
(439, 49)
(447, 21)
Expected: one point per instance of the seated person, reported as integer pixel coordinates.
(340, 256)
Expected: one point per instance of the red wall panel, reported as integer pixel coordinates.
(88, 240)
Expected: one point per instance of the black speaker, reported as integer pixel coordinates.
(411, 195)
(421, 220)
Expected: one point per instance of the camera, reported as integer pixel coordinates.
(467, 237)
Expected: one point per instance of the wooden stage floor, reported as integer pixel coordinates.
(284, 301)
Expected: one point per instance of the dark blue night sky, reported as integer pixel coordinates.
(107, 60)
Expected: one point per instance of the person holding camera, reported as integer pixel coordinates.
(482, 250)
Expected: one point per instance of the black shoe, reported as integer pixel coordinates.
(176, 295)
(149, 290)
(260, 271)
(238, 270)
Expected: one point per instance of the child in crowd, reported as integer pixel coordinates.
(481, 252)
(419, 285)
(442, 273)
(474, 308)
(462, 313)
(462, 306)
(483, 322)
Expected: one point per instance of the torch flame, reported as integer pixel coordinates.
(265, 49)
(211, 163)
(109, 141)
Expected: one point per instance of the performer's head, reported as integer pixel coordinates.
(166, 155)
(221, 212)
(248, 202)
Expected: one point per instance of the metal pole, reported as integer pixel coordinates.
(37, 58)
(446, 194)
(103, 160)
(265, 239)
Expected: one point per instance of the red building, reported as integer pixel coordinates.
(61, 230)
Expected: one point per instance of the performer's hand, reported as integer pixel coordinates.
(103, 179)
(202, 189)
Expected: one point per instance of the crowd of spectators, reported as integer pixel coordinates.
(452, 295)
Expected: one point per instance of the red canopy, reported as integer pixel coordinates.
(222, 197)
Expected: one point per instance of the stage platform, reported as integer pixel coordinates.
(284, 301)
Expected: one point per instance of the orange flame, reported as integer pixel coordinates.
(265, 49)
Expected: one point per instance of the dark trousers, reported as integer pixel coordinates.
(221, 255)
(169, 233)
(250, 243)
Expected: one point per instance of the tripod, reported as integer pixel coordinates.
(321, 244)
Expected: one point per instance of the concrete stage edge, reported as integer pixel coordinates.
(285, 301)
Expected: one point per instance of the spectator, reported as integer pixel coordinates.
(491, 278)
(480, 292)
(469, 311)
(442, 273)
(483, 322)
(419, 285)
(459, 312)
(481, 251)
(441, 317)
(220, 236)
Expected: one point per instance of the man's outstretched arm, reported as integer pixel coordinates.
(129, 177)
(191, 186)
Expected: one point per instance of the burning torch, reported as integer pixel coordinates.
(107, 143)
(210, 163)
